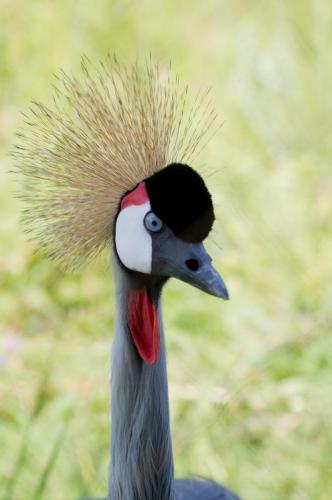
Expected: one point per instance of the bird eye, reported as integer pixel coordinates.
(152, 222)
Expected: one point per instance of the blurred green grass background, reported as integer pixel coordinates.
(250, 380)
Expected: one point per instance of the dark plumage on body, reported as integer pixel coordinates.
(200, 489)
(197, 489)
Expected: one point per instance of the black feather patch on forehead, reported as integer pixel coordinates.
(179, 197)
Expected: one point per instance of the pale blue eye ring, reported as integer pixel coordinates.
(153, 223)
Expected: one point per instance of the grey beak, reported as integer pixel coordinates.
(188, 262)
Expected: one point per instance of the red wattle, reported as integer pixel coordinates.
(144, 326)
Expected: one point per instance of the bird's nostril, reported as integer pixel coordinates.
(192, 264)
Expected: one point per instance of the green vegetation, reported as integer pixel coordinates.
(250, 380)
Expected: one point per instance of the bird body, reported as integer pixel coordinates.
(200, 489)
(111, 171)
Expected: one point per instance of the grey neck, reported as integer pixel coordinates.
(141, 451)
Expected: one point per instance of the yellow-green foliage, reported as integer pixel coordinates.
(250, 380)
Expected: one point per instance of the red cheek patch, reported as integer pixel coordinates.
(144, 326)
(138, 196)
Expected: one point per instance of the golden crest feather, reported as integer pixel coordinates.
(103, 134)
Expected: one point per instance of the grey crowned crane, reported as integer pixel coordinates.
(106, 166)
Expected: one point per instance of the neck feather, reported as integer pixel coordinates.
(141, 451)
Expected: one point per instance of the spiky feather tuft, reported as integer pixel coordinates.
(104, 133)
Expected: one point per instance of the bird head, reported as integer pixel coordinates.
(161, 225)
(96, 168)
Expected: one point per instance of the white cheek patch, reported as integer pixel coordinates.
(133, 242)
